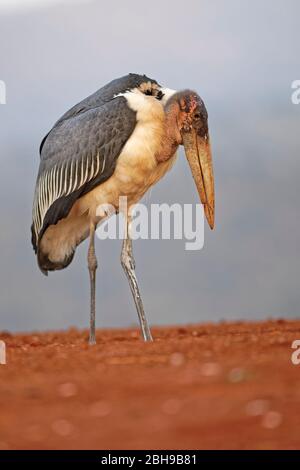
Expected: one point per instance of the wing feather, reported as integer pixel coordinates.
(78, 154)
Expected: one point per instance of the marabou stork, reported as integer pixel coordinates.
(117, 142)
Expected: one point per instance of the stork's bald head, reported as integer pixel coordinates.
(190, 112)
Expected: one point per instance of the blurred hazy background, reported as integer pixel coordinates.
(241, 56)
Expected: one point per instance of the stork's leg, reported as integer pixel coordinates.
(128, 264)
(92, 265)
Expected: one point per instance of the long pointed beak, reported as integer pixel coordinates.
(198, 153)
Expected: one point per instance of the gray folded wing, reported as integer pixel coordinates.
(78, 154)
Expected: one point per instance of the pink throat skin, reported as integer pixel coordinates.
(172, 137)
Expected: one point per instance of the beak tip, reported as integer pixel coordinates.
(210, 216)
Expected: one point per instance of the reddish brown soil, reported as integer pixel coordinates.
(226, 386)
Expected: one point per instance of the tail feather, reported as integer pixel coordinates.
(45, 264)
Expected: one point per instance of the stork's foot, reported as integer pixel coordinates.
(147, 336)
(92, 338)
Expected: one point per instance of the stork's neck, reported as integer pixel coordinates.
(171, 137)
